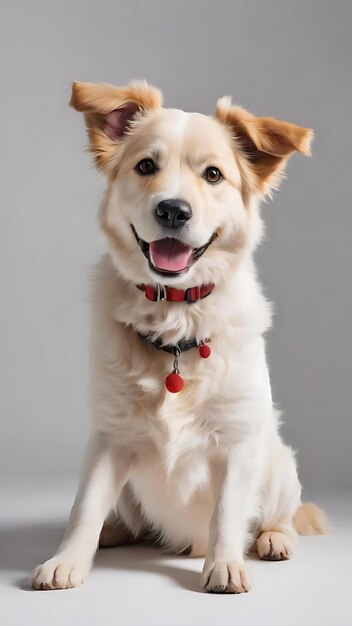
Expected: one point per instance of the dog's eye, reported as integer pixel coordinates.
(212, 174)
(146, 167)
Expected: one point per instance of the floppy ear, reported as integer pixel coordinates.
(109, 112)
(265, 142)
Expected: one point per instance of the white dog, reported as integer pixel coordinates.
(186, 448)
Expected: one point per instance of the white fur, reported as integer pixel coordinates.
(205, 468)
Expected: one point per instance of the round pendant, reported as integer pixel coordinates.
(174, 382)
(204, 351)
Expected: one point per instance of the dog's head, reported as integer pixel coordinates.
(181, 205)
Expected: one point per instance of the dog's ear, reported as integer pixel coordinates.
(265, 142)
(109, 112)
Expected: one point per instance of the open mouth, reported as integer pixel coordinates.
(170, 256)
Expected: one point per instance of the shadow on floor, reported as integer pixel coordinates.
(22, 547)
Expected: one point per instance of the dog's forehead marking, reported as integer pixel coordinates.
(192, 133)
(183, 119)
(172, 125)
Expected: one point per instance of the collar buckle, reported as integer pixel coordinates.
(160, 293)
(192, 294)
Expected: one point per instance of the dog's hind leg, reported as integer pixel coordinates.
(125, 525)
(281, 499)
(115, 533)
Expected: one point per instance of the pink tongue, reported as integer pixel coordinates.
(169, 255)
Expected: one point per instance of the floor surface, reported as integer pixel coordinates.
(139, 585)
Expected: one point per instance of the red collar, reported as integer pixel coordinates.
(161, 292)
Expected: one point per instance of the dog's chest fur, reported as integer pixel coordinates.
(131, 402)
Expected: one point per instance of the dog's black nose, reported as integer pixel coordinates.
(173, 213)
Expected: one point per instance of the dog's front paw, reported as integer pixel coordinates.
(60, 572)
(225, 577)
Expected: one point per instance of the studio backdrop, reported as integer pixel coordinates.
(281, 58)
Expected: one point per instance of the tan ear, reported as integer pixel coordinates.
(109, 112)
(265, 142)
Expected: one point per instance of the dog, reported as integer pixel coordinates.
(186, 449)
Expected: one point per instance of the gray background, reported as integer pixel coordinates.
(288, 59)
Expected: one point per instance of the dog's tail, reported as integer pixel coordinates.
(310, 519)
